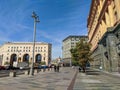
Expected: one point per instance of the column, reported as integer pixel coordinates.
(112, 52)
(111, 15)
(117, 5)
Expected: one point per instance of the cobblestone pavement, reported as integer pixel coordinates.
(48, 80)
(95, 80)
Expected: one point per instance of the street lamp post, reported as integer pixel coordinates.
(36, 20)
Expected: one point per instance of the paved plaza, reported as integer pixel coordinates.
(48, 80)
(63, 80)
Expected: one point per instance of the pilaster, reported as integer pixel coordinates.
(117, 4)
(111, 14)
(112, 53)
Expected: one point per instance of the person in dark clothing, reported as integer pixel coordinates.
(79, 69)
(55, 68)
(84, 70)
(58, 68)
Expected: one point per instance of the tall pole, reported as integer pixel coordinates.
(36, 19)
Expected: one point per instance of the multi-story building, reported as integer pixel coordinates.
(11, 52)
(69, 43)
(104, 33)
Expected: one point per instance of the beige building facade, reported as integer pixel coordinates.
(69, 43)
(104, 34)
(11, 52)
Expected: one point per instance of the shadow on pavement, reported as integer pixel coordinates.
(92, 72)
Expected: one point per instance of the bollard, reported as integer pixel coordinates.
(51, 69)
(12, 74)
(27, 72)
(48, 69)
(39, 70)
(43, 70)
(35, 71)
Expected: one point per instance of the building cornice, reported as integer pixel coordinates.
(94, 5)
(74, 36)
(104, 8)
(42, 43)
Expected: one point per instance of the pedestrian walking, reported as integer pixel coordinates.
(58, 68)
(79, 69)
(55, 68)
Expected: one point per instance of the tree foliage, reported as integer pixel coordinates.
(81, 53)
(42, 63)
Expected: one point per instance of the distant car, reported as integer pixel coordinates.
(44, 66)
(52, 65)
(40, 67)
(11, 68)
(2, 67)
(37, 67)
(24, 68)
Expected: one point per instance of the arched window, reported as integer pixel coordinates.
(38, 58)
(26, 58)
(13, 58)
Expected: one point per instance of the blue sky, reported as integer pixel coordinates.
(58, 19)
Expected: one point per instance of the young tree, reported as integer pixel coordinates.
(74, 54)
(81, 53)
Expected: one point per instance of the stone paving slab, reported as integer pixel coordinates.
(94, 80)
(48, 80)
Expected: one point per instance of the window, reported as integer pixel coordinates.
(72, 39)
(44, 58)
(116, 15)
(77, 39)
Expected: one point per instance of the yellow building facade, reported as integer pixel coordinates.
(103, 14)
(104, 34)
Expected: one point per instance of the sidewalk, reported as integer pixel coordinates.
(48, 80)
(97, 80)
(113, 74)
